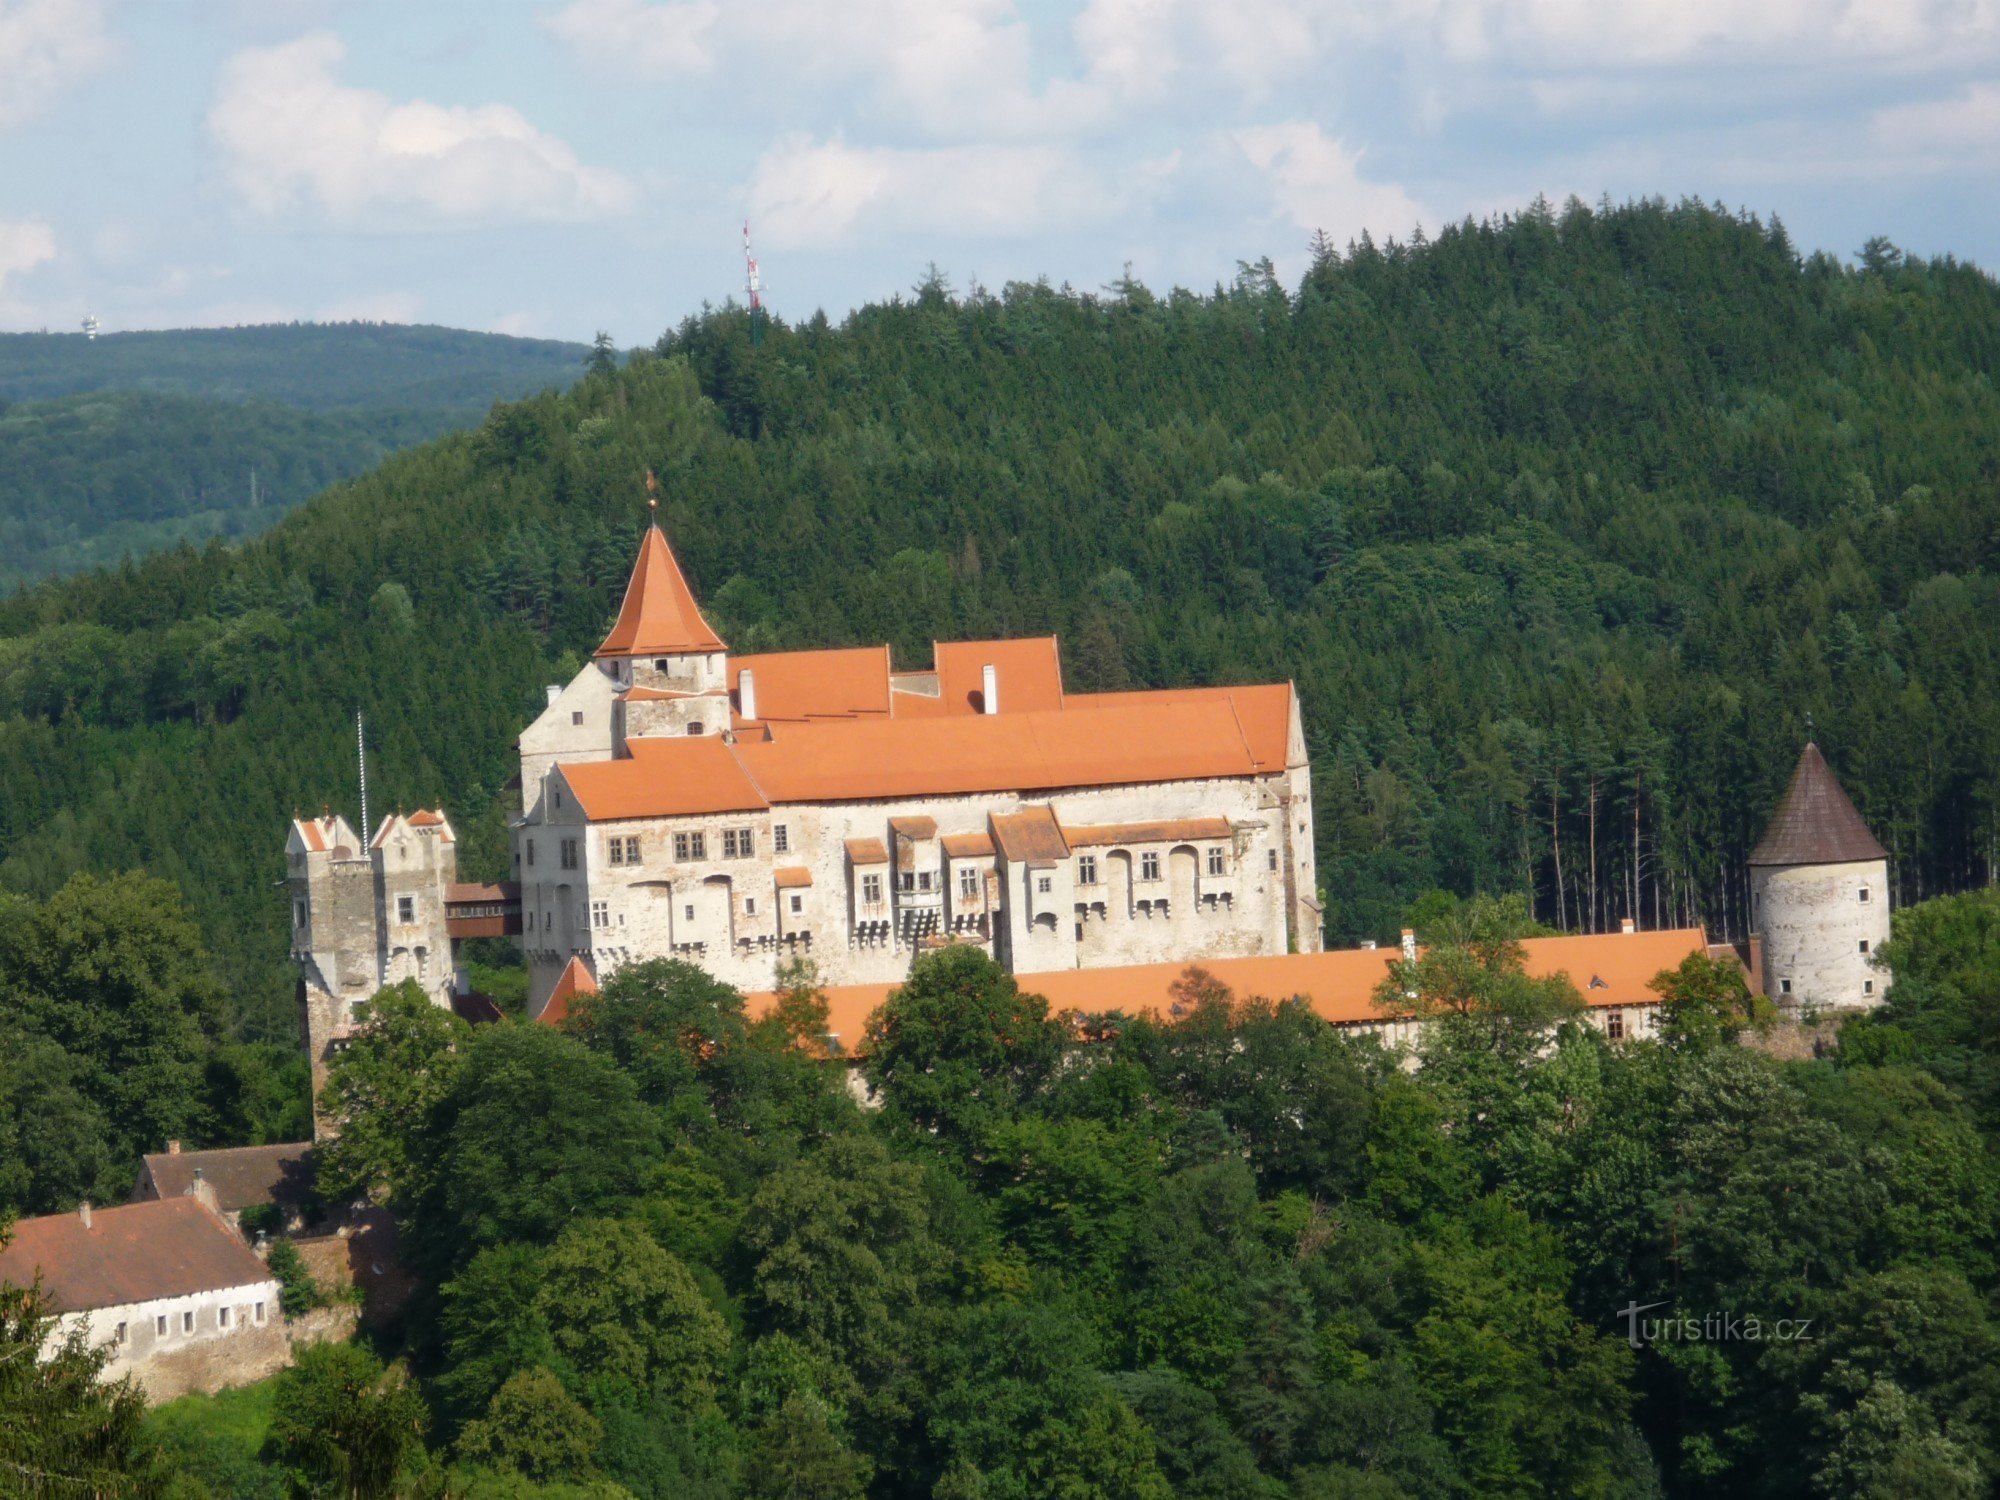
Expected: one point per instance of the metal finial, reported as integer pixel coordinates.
(652, 492)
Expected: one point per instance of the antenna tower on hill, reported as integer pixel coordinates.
(753, 286)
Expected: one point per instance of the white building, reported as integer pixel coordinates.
(742, 812)
(1819, 896)
(169, 1290)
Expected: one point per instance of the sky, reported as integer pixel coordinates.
(561, 167)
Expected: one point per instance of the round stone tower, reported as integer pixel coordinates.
(1819, 895)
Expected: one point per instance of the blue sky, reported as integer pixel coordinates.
(555, 168)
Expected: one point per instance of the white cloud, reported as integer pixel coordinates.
(1969, 124)
(24, 244)
(814, 193)
(632, 35)
(292, 135)
(45, 45)
(1316, 182)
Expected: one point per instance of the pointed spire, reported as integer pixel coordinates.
(659, 616)
(1815, 823)
(574, 980)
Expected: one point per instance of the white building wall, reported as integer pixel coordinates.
(1821, 927)
(723, 911)
(172, 1344)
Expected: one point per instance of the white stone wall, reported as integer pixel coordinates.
(728, 914)
(1814, 922)
(576, 726)
(206, 1356)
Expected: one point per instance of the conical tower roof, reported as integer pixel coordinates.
(659, 616)
(1815, 823)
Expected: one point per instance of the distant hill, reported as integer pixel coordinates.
(139, 441)
(319, 366)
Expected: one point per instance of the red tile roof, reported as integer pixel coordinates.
(1030, 836)
(1167, 831)
(915, 828)
(798, 685)
(1028, 674)
(967, 845)
(574, 980)
(1815, 823)
(1338, 986)
(867, 852)
(239, 1176)
(696, 773)
(659, 616)
(791, 877)
(163, 1247)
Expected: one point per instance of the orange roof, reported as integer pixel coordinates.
(1169, 831)
(659, 616)
(574, 980)
(694, 773)
(1263, 713)
(1028, 673)
(790, 877)
(1338, 986)
(421, 818)
(915, 828)
(1030, 836)
(867, 852)
(967, 845)
(793, 685)
(140, 1252)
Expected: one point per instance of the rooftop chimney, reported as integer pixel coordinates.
(173, 1148)
(555, 692)
(200, 1190)
(83, 1212)
(1625, 925)
(1410, 944)
(746, 694)
(989, 689)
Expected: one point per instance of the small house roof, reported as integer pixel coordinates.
(141, 1252)
(1031, 836)
(574, 980)
(1815, 823)
(239, 1176)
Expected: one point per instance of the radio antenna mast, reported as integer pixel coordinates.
(361, 754)
(753, 287)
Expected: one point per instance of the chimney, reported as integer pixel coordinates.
(1625, 925)
(1410, 944)
(173, 1148)
(202, 1192)
(989, 689)
(555, 692)
(83, 1212)
(746, 694)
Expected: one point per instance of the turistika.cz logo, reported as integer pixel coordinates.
(1709, 1328)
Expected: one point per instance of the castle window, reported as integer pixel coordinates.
(1867, 986)
(1864, 945)
(406, 909)
(569, 854)
(1862, 894)
(1217, 863)
(187, 1321)
(1149, 867)
(600, 914)
(909, 880)
(121, 1334)
(689, 846)
(259, 1314)
(781, 839)
(160, 1326)
(576, 716)
(694, 726)
(618, 851)
(662, 664)
(298, 914)
(687, 913)
(531, 851)
(968, 884)
(222, 1317)
(632, 850)
(749, 906)
(1044, 884)
(798, 904)
(871, 890)
(1086, 869)
(1614, 1026)
(923, 880)
(1274, 859)
(1784, 986)
(736, 843)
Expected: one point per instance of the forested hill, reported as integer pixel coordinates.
(1565, 525)
(318, 366)
(136, 441)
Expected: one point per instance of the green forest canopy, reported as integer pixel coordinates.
(1564, 524)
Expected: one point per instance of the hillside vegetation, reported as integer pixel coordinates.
(135, 442)
(1565, 525)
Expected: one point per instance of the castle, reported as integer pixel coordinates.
(747, 812)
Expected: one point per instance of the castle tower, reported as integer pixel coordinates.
(366, 919)
(1819, 895)
(662, 670)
